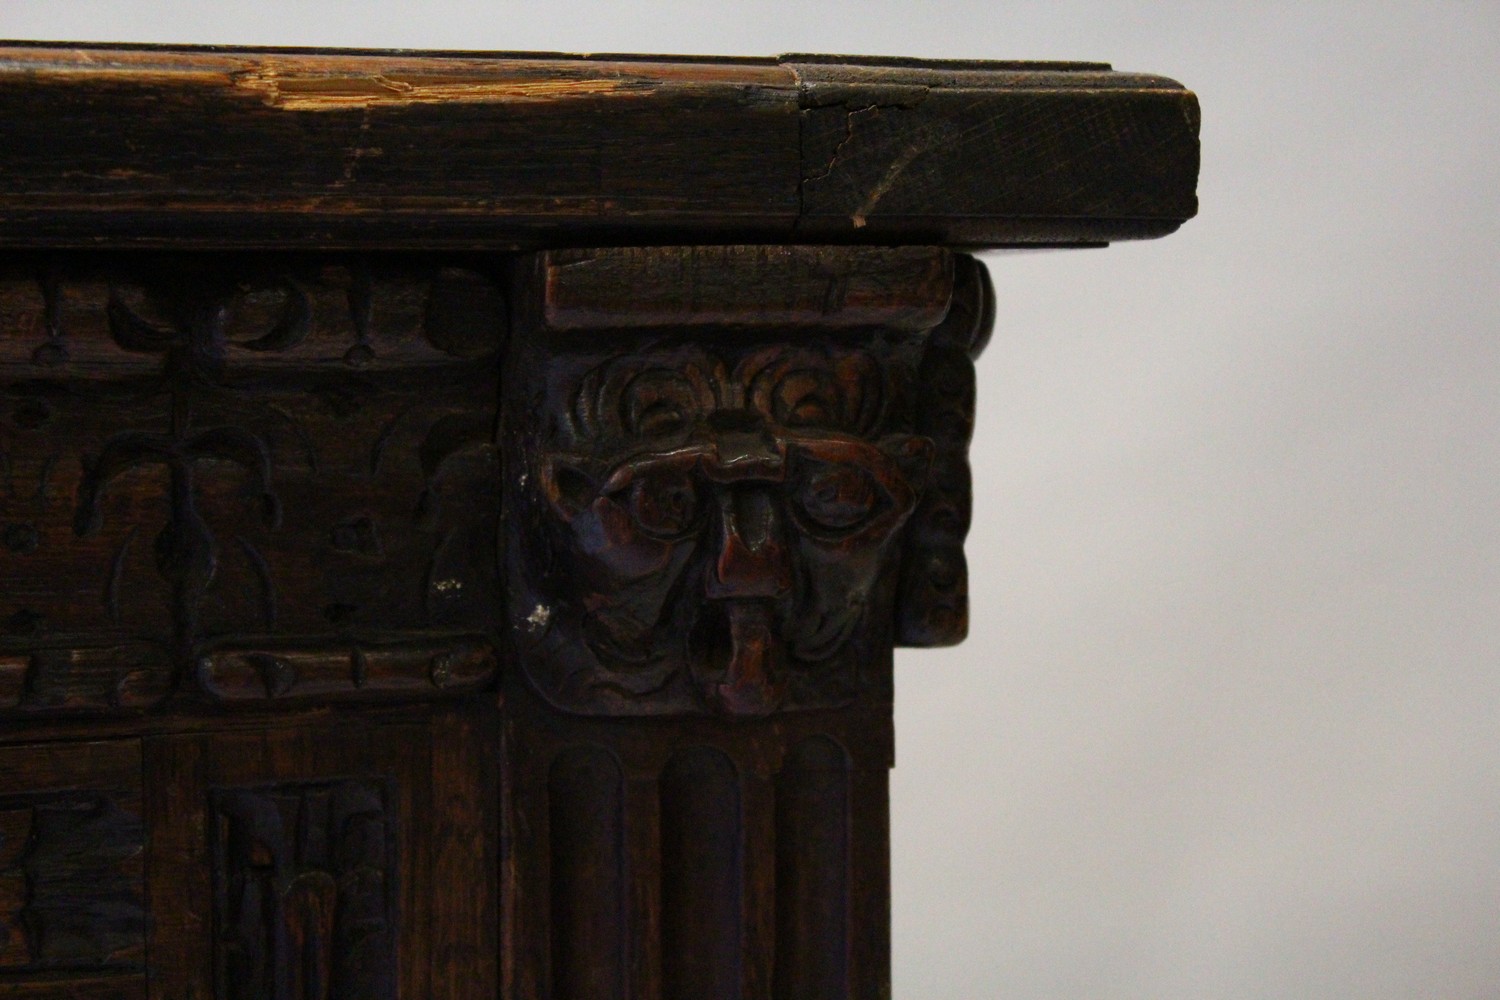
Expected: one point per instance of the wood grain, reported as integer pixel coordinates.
(413, 873)
(823, 288)
(164, 146)
(456, 509)
(72, 881)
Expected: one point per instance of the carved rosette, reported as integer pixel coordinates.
(728, 463)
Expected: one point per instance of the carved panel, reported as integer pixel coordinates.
(342, 855)
(305, 892)
(714, 517)
(197, 452)
(71, 859)
(69, 878)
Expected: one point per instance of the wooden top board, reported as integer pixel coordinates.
(155, 146)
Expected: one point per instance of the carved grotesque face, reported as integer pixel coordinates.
(725, 519)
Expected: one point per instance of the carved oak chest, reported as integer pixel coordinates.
(457, 510)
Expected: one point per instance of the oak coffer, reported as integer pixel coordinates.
(457, 509)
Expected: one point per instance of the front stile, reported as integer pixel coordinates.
(711, 513)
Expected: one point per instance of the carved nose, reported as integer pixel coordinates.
(752, 558)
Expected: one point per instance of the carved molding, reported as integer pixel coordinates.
(128, 677)
(738, 475)
(365, 671)
(933, 607)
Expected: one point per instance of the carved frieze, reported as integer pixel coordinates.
(736, 475)
(288, 454)
(711, 511)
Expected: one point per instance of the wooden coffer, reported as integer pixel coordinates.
(457, 510)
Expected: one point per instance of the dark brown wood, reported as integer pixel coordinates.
(457, 509)
(812, 871)
(72, 895)
(463, 831)
(305, 887)
(708, 528)
(699, 910)
(1039, 147)
(290, 435)
(243, 147)
(48, 986)
(256, 479)
(286, 856)
(822, 288)
(714, 522)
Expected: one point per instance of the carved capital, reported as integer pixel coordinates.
(729, 465)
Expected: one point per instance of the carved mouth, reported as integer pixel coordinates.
(736, 642)
(708, 641)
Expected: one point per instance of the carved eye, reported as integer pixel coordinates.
(663, 503)
(657, 418)
(659, 402)
(807, 399)
(839, 498)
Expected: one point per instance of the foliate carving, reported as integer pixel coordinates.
(933, 608)
(713, 519)
(305, 892)
(203, 453)
(187, 553)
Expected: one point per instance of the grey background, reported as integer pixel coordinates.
(1225, 726)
